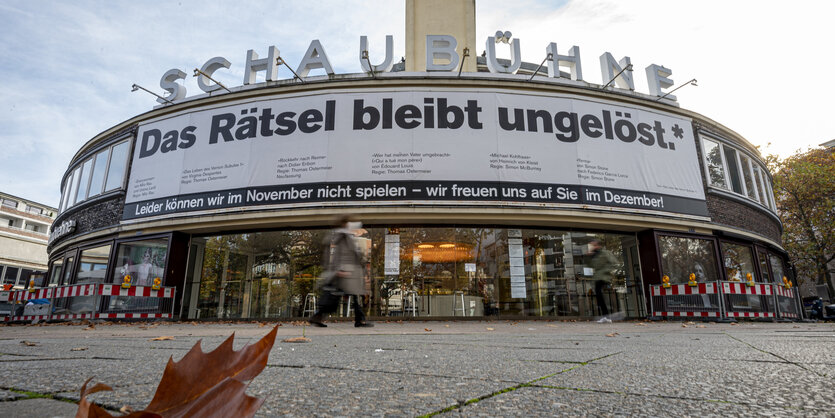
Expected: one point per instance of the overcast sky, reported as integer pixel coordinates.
(764, 69)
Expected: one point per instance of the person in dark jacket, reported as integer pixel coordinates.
(344, 273)
(603, 264)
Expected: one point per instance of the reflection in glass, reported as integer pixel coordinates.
(748, 177)
(681, 256)
(739, 262)
(715, 168)
(99, 167)
(92, 267)
(413, 271)
(118, 162)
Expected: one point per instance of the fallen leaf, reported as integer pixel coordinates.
(490, 329)
(700, 326)
(641, 324)
(734, 323)
(87, 409)
(447, 325)
(612, 334)
(79, 349)
(163, 338)
(262, 325)
(427, 330)
(29, 343)
(126, 410)
(690, 323)
(684, 325)
(200, 384)
(552, 326)
(296, 340)
(90, 328)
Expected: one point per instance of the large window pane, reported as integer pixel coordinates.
(748, 178)
(118, 162)
(84, 182)
(769, 195)
(715, 167)
(65, 195)
(57, 272)
(73, 185)
(92, 267)
(759, 181)
(99, 168)
(143, 261)
(10, 276)
(681, 256)
(777, 272)
(733, 169)
(739, 262)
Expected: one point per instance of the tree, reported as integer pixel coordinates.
(804, 189)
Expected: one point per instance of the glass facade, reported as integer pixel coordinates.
(420, 271)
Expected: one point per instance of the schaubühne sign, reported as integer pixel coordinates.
(416, 146)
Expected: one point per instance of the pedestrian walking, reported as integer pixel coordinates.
(344, 273)
(603, 269)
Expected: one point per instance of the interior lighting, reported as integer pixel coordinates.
(426, 246)
(447, 245)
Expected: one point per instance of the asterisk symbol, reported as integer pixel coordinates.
(678, 132)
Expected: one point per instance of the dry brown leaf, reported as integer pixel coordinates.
(641, 324)
(700, 326)
(447, 325)
(552, 326)
(427, 330)
(296, 340)
(126, 409)
(79, 349)
(90, 328)
(690, 323)
(163, 338)
(201, 384)
(684, 325)
(29, 343)
(734, 323)
(489, 329)
(612, 334)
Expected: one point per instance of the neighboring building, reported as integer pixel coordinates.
(24, 229)
(482, 184)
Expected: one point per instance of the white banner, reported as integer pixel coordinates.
(416, 146)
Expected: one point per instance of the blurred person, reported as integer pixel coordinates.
(344, 273)
(603, 269)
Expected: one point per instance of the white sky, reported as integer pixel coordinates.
(763, 67)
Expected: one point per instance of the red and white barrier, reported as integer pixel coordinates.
(88, 290)
(735, 300)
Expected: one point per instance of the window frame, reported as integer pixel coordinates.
(759, 175)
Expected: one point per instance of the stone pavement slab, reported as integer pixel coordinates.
(411, 368)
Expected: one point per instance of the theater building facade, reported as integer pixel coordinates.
(480, 190)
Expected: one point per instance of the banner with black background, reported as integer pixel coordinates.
(416, 146)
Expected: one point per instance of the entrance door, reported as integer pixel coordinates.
(634, 284)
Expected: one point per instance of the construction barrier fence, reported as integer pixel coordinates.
(724, 300)
(88, 301)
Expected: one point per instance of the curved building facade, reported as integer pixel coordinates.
(481, 193)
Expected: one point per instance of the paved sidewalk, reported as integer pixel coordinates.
(499, 368)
